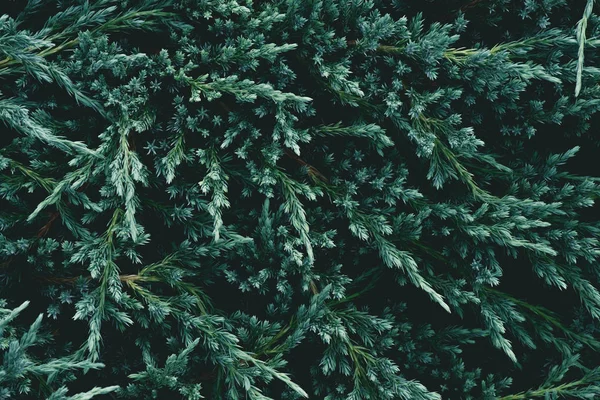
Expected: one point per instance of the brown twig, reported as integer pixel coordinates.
(46, 228)
(472, 4)
(313, 287)
(312, 171)
(224, 106)
(382, 48)
(206, 376)
(131, 141)
(130, 278)
(73, 279)
(6, 263)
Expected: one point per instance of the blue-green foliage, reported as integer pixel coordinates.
(290, 199)
(22, 371)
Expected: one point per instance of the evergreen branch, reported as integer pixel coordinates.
(374, 133)
(133, 19)
(28, 61)
(463, 173)
(584, 388)
(47, 184)
(294, 208)
(139, 241)
(19, 367)
(72, 180)
(549, 317)
(60, 394)
(109, 286)
(561, 390)
(18, 117)
(366, 288)
(244, 90)
(215, 180)
(517, 48)
(581, 40)
(162, 271)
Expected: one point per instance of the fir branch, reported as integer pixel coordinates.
(581, 40)
(295, 209)
(243, 90)
(374, 133)
(131, 19)
(549, 317)
(585, 387)
(215, 180)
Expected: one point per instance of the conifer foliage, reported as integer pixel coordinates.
(287, 199)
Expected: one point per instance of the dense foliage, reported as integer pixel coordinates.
(285, 199)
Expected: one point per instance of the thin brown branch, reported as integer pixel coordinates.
(312, 171)
(130, 278)
(71, 280)
(131, 141)
(313, 287)
(46, 228)
(6, 263)
(470, 5)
